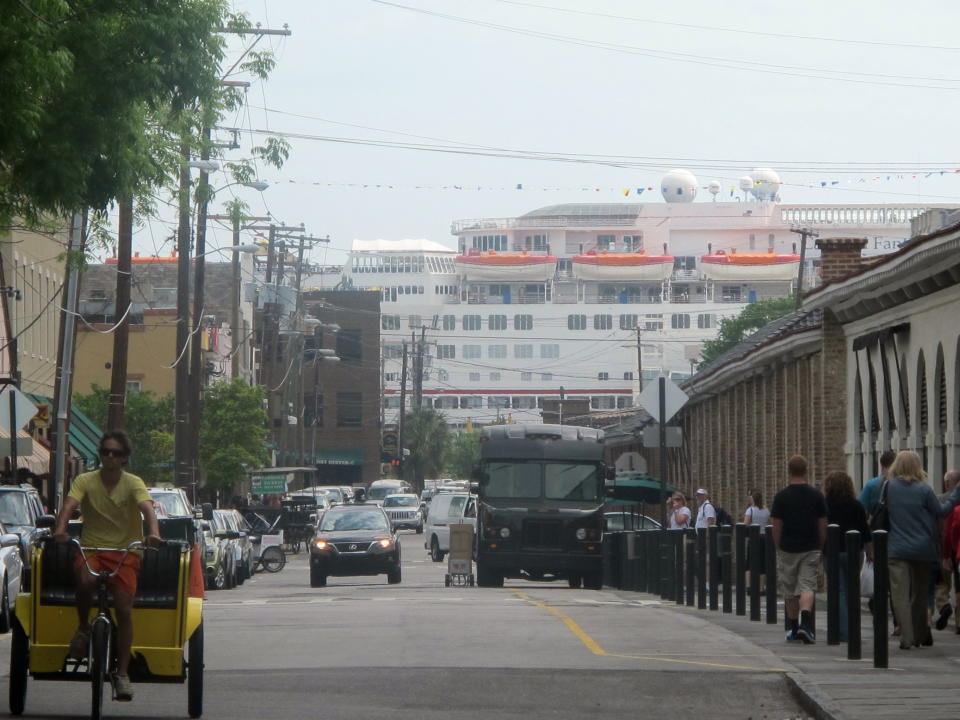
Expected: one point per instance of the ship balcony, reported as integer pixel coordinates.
(607, 299)
(473, 299)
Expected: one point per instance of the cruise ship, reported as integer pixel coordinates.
(591, 300)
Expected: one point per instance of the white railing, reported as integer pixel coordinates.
(459, 227)
(850, 215)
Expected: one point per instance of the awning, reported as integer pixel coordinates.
(38, 461)
(84, 434)
(633, 489)
(338, 456)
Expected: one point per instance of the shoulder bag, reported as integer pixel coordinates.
(880, 520)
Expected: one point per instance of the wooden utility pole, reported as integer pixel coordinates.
(639, 358)
(181, 430)
(803, 233)
(403, 407)
(121, 314)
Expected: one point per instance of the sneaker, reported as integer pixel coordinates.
(122, 688)
(927, 639)
(79, 645)
(792, 636)
(806, 635)
(945, 612)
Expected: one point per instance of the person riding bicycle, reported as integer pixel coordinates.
(114, 505)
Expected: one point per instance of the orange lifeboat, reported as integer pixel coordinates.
(740, 267)
(491, 265)
(622, 266)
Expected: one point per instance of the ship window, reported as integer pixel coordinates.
(684, 263)
(446, 352)
(392, 351)
(390, 322)
(497, 352)
(606, 242)
(730, 293)
(550, 351)
(632, 243)
(501, 290)
(602, 322)
(628, 322)
(524, 403)
(446, 403)
(472, 322)
(603, 402)
(495, 376)
(415, 321)
(471, 401)
(497, 322)
(680, 321)
(753, 241)
(523, 352)
(628, 375)
(603, 376)
(449, 322)
(471, 352)
(705, 321)
(576, 322)
(546, 377)
(526, 377)
(498, 401)
(624, 402)
(474, 377)
(523, 322)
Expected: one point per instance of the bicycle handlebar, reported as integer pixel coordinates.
(105, 575)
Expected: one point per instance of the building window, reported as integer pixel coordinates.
(551, 351)
(474, 377)
(602, 322)
(628, 322)
(446, 352)
(603, 376)
(449, 322)
(495, 377)
(471, 352)
(526, 377)
(349, 413)
(705, 321)
(624, 402)
(497, 322)
(497, 352)
(133, 386)
(349, 348)
(653, 322)
(628, 375)
(390, 322)
(606, 242)
(680, 321)
(576, 322)
(523, 402)
(392, 351)
(603, 402)
(313, 409)
(472, 322)
(523, 352)
(546, 377)
(523, 322)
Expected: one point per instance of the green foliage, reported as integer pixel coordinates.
(464, 454)
(427, 437)
(148, 420)
(752, 318)
(232, 432)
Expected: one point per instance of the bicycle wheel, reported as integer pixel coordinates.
(272, 559)
(195, 673)
(99, 665)
(19, 667)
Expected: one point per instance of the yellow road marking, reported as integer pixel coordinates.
(594, 647)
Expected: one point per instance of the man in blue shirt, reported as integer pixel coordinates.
(870, 495)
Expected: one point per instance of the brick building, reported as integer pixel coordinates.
(871, 361)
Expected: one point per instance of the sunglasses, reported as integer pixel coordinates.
(110, 452)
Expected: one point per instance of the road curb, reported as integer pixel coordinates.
(810, 697)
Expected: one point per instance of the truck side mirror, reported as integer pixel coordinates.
(207, 511)
(610, 472)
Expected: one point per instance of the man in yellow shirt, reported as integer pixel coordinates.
(114, 505)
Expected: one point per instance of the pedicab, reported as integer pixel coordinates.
(167, 625)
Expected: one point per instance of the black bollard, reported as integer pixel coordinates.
(678, 558)
(726, 566)
(654, 580)
(666, 566)
(833, 584)
(690, 564)
(702, 568)
(713, 537)
(641, 550)
(770, 561)
(625, 545)
(854, 548)
(755, 547)
(881, 592)
(740, 543)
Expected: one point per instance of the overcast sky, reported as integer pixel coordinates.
(646, 85)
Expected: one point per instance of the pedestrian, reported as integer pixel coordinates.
(115, 506)
(706, 512)
(845, 510)
(799, 515)
(951, 557)
(756, 514)
(944, 587)
(678, 516)
(913, 544)
(870, 495)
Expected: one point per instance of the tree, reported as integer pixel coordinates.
(88, 85)
(149, 423)
(233, 433)
(752, 318)
(427, 436)
(463, 455)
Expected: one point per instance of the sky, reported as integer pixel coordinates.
(851, 102)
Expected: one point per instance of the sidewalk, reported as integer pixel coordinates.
(920, 682)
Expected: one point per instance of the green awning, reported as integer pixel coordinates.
(634, 489)
(338, 456)
(84, 434)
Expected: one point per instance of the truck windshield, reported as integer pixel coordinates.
(537, 479)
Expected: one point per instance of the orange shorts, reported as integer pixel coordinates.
(126, 577)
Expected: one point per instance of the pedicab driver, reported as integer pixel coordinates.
(114, 505)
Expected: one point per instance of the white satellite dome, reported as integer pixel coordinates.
(746, 184)
(766, 184)
(679, 186)
(714, 188)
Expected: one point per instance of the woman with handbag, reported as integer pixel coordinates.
(845, 510)
(913, 511)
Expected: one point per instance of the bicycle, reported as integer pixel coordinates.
(271, 559)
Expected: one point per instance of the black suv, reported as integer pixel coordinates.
(354, 540)
(20, 508)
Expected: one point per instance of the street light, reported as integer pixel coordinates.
(318, 355)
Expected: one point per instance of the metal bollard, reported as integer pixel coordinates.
(770, 561)
(832, 562)
(702, 568)
(678, 593)
(666, 566)
(881, 599)
(690, 564)
(854, 548)
(713, 537)
(654, 562)
(755, 548)
(726, 566)
(641, 550)
(740, 543)
(624, 558)
(629, 581)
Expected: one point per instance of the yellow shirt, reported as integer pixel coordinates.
(110, 520)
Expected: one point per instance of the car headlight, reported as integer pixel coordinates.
(385, 542)
(581, 533)
(321, 544)
(504, 532)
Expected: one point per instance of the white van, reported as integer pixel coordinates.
(447, 509)
(379, 489)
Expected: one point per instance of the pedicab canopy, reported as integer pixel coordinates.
(632, 488)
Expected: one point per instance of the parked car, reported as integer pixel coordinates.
(404, 511)
(333, 492)
(447, 509)
(617, 521)
(347, 491)
(354, 540)
(221, 552)
(11, 564)
(20, 508)
(242, 544)
(174, 501)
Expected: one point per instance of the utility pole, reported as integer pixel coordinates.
(803, 233)
(639, 359)
(403, 408)
(181, 437)
(418, 367)
(121, 306)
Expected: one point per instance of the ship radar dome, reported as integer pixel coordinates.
(766, 184)
(746, 184)
(679, 186)
(714, 188)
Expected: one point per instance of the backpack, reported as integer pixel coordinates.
(723, 517)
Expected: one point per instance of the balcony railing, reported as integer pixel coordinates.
(615, 299)
(498, 300)
(483, 224)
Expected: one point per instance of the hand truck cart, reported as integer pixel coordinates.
(460, 559)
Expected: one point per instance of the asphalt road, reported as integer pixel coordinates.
(361, 649)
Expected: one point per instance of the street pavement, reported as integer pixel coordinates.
(360, 648)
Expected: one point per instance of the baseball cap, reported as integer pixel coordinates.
(701, 491)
